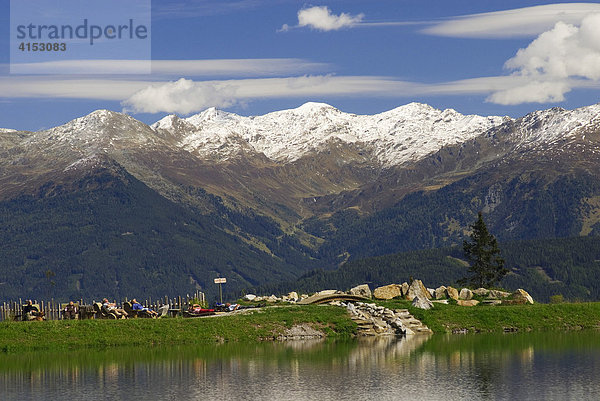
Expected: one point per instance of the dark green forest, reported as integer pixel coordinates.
(114, 236)
(528, 206)
(111, 235)
(566, 266)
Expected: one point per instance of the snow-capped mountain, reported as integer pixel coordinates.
(298, 162)
(405, 134)
(257, 197)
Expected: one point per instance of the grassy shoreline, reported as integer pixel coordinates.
(259, 325)
(270, 323)
(497, 319)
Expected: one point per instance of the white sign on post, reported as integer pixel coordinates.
(220, 280)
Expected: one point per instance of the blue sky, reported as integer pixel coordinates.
(256, 56)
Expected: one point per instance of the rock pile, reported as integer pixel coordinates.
(292, 297)
(373, 320)
(421, 296)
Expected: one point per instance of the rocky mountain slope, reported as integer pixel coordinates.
(391, 138)
(311, 186)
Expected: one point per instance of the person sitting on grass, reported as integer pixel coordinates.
(136, 306)
(70, 311)
(31, 312)
(111, 307)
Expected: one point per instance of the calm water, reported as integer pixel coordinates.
(548, 366)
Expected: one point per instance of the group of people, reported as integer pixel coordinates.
(71, 310)
(31, 312)
(111, 307)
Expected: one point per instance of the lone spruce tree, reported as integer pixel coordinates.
(487, 267)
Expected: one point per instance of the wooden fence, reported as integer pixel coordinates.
(53, 309)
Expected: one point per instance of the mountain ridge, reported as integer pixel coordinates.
(335, 198)
(287, 135)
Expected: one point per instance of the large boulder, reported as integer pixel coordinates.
(467, 302)
(405, 287)
(491, 302)
(482, 292)
(292, 296)
(361, 290)
(452, 293)
(249, 297)
(465, 294)
(520, 297)
(440, 292)
(497, 294)
(388, 291)
(327, 292)
(417, 289)
(422, 303)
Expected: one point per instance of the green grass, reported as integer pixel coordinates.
(494, 319)
(264, 324)
(269, 323)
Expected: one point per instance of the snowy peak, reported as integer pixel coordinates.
(99, 120)
(546, 126)
(173, 124)
(404, 134)
(211, 115)
(99, 132)
(310, 108)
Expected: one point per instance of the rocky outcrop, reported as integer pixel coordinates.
(452, 293)
(405, 287)
(301, 332)
(467, 302)
(361, 290)
(422, 303)
(416, 292)
(291, 297)
(374, 320)
(497, 294)
(388, 291)
(328, 292)
(417, 289)
(519, 297)
(440, 292)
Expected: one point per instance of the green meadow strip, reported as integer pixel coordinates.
(259, 325)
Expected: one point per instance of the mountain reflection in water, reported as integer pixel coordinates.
(549, 366)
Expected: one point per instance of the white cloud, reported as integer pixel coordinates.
(183, 96)
(550, 61)
(322, 19)
(564, 51)
(237, 67)
(186, 96)
(14, 86)
(531, 92)
(214, 67)
(521, 22)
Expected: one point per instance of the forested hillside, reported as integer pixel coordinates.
(525, 206)
(116, 237)
(566, 266)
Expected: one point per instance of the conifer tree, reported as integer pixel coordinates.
(482, 251)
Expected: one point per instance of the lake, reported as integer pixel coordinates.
(544, 366)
